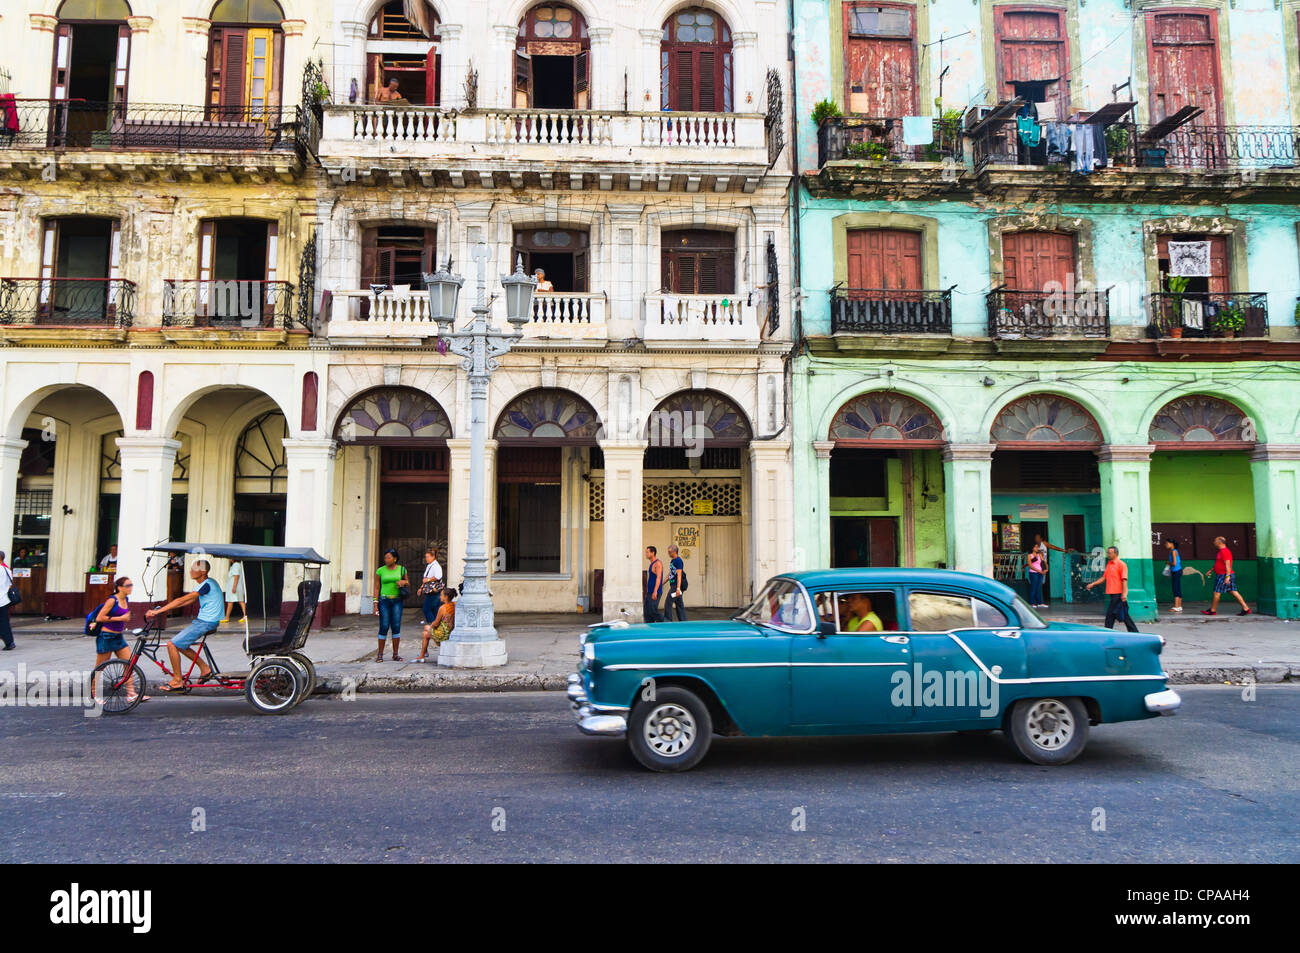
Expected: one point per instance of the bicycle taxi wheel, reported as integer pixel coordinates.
(275, 686)
(309, 674)
(116, 690)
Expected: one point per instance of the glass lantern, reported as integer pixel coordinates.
(519, 289)
(444, 291)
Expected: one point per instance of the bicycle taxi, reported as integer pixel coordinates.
(278, 677)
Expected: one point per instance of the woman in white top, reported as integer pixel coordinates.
(6, 581)
(235, 590)
(431, 590)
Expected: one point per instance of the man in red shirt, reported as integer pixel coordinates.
(1224, 579)
(1115, 577)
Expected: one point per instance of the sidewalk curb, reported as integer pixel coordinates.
(1259, 674)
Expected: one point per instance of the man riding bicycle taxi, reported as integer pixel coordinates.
(212, 604)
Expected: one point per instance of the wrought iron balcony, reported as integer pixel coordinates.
(231, 305)
(118, 127)
(881, 311)
(1048, 314)
(63, 302)
(854, 137)
(1209, 314)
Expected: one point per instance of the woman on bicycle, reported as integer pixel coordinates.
(111, 620)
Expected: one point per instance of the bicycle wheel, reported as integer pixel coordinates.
(116, 689)
(309, 682)
(273, 687)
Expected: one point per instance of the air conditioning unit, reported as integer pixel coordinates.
(975, 114)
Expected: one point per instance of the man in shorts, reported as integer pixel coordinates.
(1225, 580)
(212, 603)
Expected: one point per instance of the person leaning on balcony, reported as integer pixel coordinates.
(542, 283)
(389, 93)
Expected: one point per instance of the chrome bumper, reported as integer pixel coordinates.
(611, 723)
(1165, 703)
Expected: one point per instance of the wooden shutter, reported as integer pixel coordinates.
(49, 263)
(883, 258)
(666, 271)
(432, 68)
(1183, 58)
(429, 252)
(683, 81)
(260, 72)
(582, 80)
(1030, 260)
(374, 76)
(880, 71)
(708, 67)
(1032, 48)
(523, 80)
(121, 66)
(386, 265)
(369, 260)
(207, 255)
(685, 279)
(62, 60)
(1220, 280)
(580, 265)
(234, 47)
(114, 268)
(270, 295)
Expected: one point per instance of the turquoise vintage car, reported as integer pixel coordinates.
(866, 651)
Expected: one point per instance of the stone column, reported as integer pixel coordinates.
(746, 67)
(140, 66)
(454, 66)
(458, 458)
(11, 454)
(309, 515)
(770, 503)
(623, 598)
(145, 514)
(822, 502)
(193, 86)
(503, 97)
(968, 503)
(645, 96)
(1275, 469)
(604, 78)
(350, 63)
(1126, 520)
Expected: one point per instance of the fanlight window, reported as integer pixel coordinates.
(247, 11)
(94, 10)
(1199, 420)
(689, 415)
(1044, 418)
(548, 415)
(884, 416)
(393, 414)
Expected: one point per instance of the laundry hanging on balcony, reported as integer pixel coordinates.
(1189, 259)
(1193, 315)
(917, 131)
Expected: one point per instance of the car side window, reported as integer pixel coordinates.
(825, 606)
(937, 612)
(867, 612)
(988, 616)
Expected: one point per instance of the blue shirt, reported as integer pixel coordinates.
(212, 602)
(674, 568)
(652, 583)
(1175, 561)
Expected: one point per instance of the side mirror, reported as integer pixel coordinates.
(825, 628)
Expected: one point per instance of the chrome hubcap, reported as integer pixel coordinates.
(1050, 724)
(670, 731)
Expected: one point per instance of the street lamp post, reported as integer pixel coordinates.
(474, 642)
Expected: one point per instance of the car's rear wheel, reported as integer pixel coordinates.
(1049, 730)
(672, 732)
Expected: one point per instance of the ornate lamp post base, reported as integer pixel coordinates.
(457, 654)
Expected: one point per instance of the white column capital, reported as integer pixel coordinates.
(823, 448)
(450, 31)
(198, 25)
(506, 31)
(355, 30)
(1276, 451)
(293, 27)
(308, 447)
(12, 448)
(744, 40)
(600, 34)
(760, 449)
(139, 24)
(145, 448)
(43, 22)
(622, 448)
(969, 451)
(1119, 453)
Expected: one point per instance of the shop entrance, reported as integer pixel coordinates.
(259, 521)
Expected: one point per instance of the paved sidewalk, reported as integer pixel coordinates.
(543, 649)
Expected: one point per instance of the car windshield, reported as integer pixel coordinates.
(1029, 619)
(781, 605)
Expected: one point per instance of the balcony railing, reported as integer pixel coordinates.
(399, 313)
(1038, 314)
(567, 313)
(191, 303)
(117, 127)
(1127, 146)
(61, 302)
(881, 311)
(853, 137)
(1209, 314)
(699, 319)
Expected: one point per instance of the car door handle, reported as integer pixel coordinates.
(1008, 634)
(897, 639)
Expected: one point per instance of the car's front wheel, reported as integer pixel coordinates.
(672, 732)
(1049, 730)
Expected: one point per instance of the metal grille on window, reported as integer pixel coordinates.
(34, 503)
(677, 498)
(773, 292)
(596, 502)
(307, 281)
(773, 123)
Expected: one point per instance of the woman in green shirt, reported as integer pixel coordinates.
(388, 602)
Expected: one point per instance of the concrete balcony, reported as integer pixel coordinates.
(547, 149)
(699, 320)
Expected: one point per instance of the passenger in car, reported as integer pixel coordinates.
(861, 615)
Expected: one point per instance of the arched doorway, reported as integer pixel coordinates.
(545, 439)
(92, 58)
(552, 59)
(1202, 487)
(886, 481)
(694, 492)
(1045, 481)
(695, 62)
(401, 433)
(261, 497)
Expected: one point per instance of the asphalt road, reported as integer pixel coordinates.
(421, 778)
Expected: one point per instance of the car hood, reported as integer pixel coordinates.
(674, 630)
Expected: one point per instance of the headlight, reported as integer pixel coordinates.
(589, 655)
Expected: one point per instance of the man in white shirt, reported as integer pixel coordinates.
(109, 562)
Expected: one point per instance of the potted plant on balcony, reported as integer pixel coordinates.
(1230, 320)
(824, 110)
(1177, 285)
(873, 151)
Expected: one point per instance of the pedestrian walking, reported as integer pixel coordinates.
(1174, 570)
(1037, 573)
(430, 591)
(236, 590)
(1115, 577)
(7, 591)
(110, 628)
(390, 580)
(676, 586)
(1225, 580)
(654, 585)
(443, 623)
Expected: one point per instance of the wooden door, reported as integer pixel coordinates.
(884, 540)
(880, 61)
(1183, 55)
(1032, 48)
(884, 259)
(696, 79)
(523, 80)
(261, 68)
(1033, 260)
(1219, 281)
(723, 565)
(432, 77)
(121, 69)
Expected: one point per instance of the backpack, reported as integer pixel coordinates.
(93, 628)
(681, 579)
